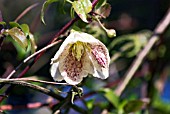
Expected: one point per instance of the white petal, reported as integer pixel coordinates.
(88, 38)
(55, 72)
(73, 71)
(100, 59)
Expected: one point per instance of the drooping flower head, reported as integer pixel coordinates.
(79, 55)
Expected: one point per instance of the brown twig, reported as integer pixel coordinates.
(26, 11)
(32, 86)
(32, 80)
(163, 24)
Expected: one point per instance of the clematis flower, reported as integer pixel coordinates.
(79, 55)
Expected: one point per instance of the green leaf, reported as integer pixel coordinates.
(45, 5)
(133, 106)
(82, 8)
(21, 52)
(25, 29)
(111, 97)
(14, 24)
(87, 5)
(90, 104)
(78, 7)
(18, 36)
(3, 23)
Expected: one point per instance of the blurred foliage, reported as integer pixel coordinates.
(133, 20)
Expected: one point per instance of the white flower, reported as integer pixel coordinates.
(79, 55)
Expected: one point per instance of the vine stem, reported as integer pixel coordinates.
(32, 86)
(31, 80)
(161, 27)
(26, 11)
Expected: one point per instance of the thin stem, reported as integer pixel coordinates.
(69, 1)
(161, 27)
(31, 56)
(94, 3)
(33, 80)
(1, 41)
(32, 86)
(25, 11)
(100, 23)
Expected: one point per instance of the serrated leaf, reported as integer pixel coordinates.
(111, 97)
(82, 8)
(25, 29)
(33, 44)
(133, 106)
(45, 5)
(18, 36)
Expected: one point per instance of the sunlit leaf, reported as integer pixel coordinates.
(78, 7)
(133, 106)
(87, 5)
(18, 36)
(82, 8)
(45, 5)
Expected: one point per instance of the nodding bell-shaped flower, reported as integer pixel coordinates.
(79, 55)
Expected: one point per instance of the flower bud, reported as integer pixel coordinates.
(111, 33)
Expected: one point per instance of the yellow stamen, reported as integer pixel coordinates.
(78, 49)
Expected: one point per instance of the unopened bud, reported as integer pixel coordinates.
(111, 33)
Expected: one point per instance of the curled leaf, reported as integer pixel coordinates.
(25, 29)
(18, 36)
(45, 5)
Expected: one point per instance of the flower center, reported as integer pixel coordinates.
(78, 49)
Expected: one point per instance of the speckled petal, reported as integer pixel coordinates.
(55, 73)
(73, 71)
(100, 59)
